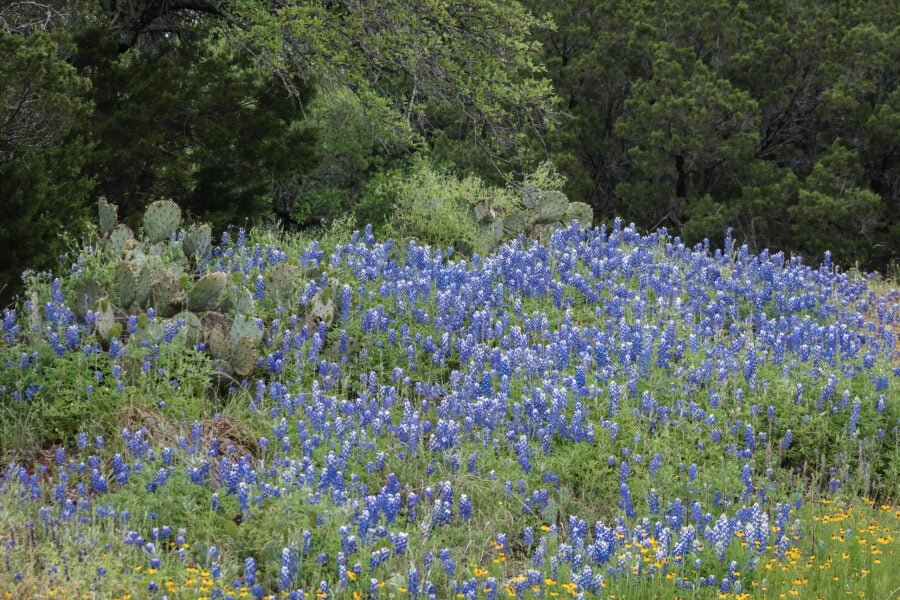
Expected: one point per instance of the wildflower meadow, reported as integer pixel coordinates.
(597, 414)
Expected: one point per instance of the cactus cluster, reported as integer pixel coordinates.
(539, 213)
(165, 270)
(216, 310)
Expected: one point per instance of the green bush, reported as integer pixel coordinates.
(441, 208)
(429, 205)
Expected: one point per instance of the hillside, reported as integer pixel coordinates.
(602, 415)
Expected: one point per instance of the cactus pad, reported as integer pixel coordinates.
(205, 293)
(283, 279)
(197, 241)
(105, 319)
(161, 220)
(245, 327)
(322, 306)
(544, 231)
(490, 235)
(581, 212)
(150, 331)
(243, 356)
(483, 213)
(531, 196)
(215, 320)
(118, 239)
(142, 289)
(108, 215)
(218, 344)
(191, 333)
(515, 223)
(553, 207)
(164, 293)
(236, 299)
(86, 292)
(216, 327)
(127, 282)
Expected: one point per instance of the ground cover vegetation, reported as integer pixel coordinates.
(600, 414)
(341, 299)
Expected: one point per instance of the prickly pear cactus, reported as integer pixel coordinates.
(127, 282)
(246, 327)
(161, 220)
(243, 356)
(314, 273)
(143, 282)
(119, 239)
(515, 223)
(544, 231)
(205, 293)
(531, 196)
(283, 280)
(322, 306)
(87, 293)
(105, 319)
(483, 213)
(552, 207)
(150, 331)
(108, 215)
(490, 235)
(237, 300)
(581, 212)
(215, 320)
(191, 332)
(164, 294)
(218, 344)
(216, 328)
(197, 241)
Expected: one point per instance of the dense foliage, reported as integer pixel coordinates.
(777, 119)
(606, 414)
(208, 103)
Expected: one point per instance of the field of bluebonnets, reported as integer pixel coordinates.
(604, 414)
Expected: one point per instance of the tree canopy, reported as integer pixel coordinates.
(701, 115)
(780, 120)
(403, 59)
(207, 101)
